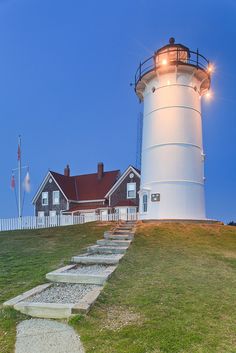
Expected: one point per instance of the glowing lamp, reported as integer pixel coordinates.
(211, 69)
(164, 62)
(208, 95)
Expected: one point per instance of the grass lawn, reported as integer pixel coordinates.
(174, 292)
(25, 258)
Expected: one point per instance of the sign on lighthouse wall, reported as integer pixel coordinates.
(171, 84)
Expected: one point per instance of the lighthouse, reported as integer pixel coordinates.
(171, 84)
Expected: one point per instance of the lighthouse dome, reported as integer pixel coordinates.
(176, 59)
(172, 53)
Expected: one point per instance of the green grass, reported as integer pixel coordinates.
(25, 258)
(174, 292)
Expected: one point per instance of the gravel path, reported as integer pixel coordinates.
(90, 269)
(46, 336)
(62, 293)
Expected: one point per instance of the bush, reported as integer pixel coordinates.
(232, 223)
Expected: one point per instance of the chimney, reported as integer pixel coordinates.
(100, 170)
(67, 171)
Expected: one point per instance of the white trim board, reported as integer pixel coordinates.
(84, 201)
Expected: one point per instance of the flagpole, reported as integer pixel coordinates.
(19, 178)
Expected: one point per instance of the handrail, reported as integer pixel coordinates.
(192, 58)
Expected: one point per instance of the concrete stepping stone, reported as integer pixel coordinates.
(97, 249)
(89, 274)
(126, 224)
(110, 242)
(121, 231)
(56, 300)
(111, 259)
(110, 235)
(46, 336)
(124, 228)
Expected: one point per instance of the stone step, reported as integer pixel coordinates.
(86, 274)
(129, 223)
(113, 236)
(123, 230)
(108, 242)
(56, 301)
(98, 259)
(97, 249)
(75, 288)
(46, 336)
(122, 233)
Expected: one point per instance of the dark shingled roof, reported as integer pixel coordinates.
(87, 186)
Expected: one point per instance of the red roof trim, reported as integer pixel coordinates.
(86, 207)
(124, 203)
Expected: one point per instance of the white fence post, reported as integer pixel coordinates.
(33, 222)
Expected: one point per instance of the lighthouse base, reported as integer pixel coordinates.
(172, 200)
(186, 221)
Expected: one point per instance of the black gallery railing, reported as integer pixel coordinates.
(176, 56)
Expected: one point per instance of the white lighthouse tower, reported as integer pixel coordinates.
(171, 84)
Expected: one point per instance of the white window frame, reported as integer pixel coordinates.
(40, 214)
(44, 198)
(145, 203)
(134, 190)
(53, 197)
(54, 213)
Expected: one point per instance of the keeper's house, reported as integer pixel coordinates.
(100, 193)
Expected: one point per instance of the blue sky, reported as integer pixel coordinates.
(65, 69)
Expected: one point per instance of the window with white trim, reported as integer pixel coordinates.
(131, 190)
(52, 213)
(145, 199)
(56, 197)
(41, 214)
(44, 198)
